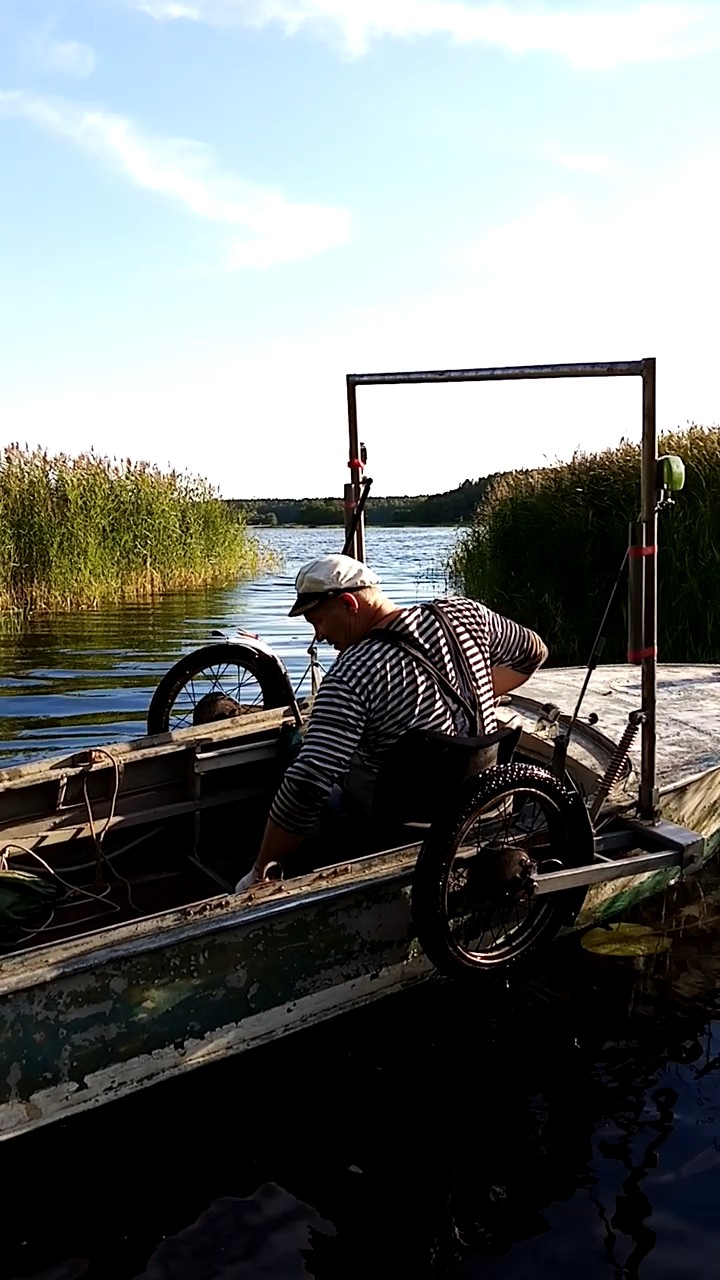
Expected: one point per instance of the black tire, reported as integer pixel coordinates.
(239, 673)
(485, 891)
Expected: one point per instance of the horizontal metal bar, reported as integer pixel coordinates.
(209, 761)
(599, 872)
(615, 840)
(509, 373)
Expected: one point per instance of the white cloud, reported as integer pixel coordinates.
(649, 253)
(267, 228)
(598, 39)
(581, 161)
(71, 57)
(168, 10)
(565, 282)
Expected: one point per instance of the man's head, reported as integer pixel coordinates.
(340, 597)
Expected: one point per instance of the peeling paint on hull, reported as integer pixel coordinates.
(117, 1080)
(98, 1023)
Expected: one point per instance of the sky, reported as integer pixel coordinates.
(211, 211)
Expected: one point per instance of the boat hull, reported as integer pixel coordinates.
(85, 1021)
(108, 1016)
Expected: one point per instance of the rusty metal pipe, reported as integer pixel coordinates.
(601, 369)
(357, 545)
(636, 591)
(648, 515)
(357, 514)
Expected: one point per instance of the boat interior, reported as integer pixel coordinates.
(118, 834)
(109, 836)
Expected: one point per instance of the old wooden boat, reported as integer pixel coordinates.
(126, 959)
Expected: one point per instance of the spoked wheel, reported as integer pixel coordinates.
(472, 897)
(218, 682)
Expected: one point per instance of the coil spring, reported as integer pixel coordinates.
(617, 761)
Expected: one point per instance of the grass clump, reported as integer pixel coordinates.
(545, 547)
(78, 531)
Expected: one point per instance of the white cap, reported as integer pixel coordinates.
(329, 575)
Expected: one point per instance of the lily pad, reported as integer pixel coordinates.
(625, 940)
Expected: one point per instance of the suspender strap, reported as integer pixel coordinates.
(459, 657)
(410, 645)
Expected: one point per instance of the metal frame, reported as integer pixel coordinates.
(647, 624)
(664, 844)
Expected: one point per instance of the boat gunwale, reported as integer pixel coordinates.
(193, 738)
(152, 933)
(209, 915)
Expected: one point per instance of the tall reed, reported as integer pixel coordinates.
(545, 547)
(76, 531)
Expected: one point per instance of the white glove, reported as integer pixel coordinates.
(273, 871)
(253, 877)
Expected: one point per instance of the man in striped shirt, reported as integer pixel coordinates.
(375, 692)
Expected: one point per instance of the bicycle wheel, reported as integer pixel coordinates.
(472, 897)
(217, 682)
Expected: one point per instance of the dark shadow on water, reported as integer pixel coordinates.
(572, 1130)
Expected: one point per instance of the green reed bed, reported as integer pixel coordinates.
(78, 531)
(545, 548)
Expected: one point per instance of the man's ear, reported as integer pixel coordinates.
(350, 601)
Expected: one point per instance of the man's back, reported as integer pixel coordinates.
(376, 692)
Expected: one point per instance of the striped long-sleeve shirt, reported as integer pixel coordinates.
(375, 692)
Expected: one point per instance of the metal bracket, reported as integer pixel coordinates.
(668, 835)
(674, 846)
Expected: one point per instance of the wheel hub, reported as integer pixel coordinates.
(500, 875)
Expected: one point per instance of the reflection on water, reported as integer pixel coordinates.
(571, 1129)
(76, 680)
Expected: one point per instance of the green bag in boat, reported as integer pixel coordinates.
(22, 892)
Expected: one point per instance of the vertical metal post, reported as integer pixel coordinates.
(648, 515)
(636, 591)
(358, 548)
(348, 512)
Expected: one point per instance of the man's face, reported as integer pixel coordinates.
(333, 620)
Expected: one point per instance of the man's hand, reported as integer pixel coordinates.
(271, 871)
(276, 845)
(253, 877)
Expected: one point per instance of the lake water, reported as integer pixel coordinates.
(572, 1129)
(84, 679)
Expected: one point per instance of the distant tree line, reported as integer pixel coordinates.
(456, 506)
